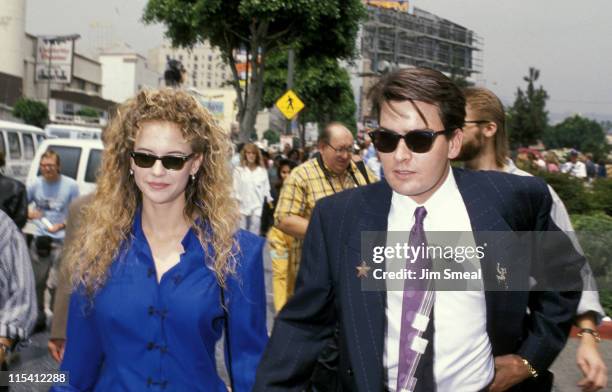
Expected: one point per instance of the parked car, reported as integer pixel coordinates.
(19, 143)
(64, 131)
(79, 160)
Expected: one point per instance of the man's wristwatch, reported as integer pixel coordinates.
(591, 332)
(532, 372)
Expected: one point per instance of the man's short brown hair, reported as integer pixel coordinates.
(425, 85)
(487, 107)
(51, 154)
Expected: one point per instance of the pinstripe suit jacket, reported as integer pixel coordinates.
(328, 292)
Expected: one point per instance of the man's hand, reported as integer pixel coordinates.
(509, 370)
(34, 213)
(55, 228)
(56, 349)
(591, 364)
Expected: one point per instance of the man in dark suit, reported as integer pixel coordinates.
(419, 338)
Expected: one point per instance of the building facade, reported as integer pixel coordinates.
(125, 72)
(67, 101)
(397, 36)
(12, 32)
(203, 64)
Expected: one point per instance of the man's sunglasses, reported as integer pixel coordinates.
(418, 140)
(170, 162)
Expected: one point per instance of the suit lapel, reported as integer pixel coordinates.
(365, 318)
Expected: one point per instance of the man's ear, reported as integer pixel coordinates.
(490, 129)
(454, 144)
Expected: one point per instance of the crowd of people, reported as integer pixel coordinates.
(140, 279)
(575, 164)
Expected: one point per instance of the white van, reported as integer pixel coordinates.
(79, 160)
(19, 143)
(64, 131)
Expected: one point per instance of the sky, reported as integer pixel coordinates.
(570, 42)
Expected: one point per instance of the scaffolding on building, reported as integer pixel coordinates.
(392, 38)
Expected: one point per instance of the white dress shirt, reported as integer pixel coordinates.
(462, 351)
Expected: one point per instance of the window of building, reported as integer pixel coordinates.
(208, 84)
(195, 58)
(180, 57)
(209, 57)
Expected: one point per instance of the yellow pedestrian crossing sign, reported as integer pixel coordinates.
(289, 104)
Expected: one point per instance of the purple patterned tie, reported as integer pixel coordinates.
(416, 308)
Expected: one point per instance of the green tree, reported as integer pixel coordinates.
(31, 112)
(320, 82)
(88, 112)
(528, 117)
(578, 132)
(271, 136)
(259, 28)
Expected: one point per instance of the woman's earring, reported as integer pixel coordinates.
(193, 177)
(131, 172)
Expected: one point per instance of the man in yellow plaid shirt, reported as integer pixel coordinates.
(331, 171)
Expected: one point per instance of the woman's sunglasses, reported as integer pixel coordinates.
(418, 140)
(170, 162)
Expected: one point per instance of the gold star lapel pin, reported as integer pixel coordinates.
(362, 270)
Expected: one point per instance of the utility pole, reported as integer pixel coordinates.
(290, 70)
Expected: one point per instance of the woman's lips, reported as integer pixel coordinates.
(158, 185)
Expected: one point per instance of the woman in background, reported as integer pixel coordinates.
(162, 270)
(251, 187)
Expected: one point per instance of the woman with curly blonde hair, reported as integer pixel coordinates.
(161, 269)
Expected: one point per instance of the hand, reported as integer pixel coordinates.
(56, 349)
(55, 228)
(591, 364)
(2, 357)
(35, 214)
(509, 370)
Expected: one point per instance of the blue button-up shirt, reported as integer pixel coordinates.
(138, 334)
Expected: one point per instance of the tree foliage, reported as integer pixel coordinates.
(320, 82)
(271, 136)
(528, 118)
(88, 112)
(580, 133)
(31, 112)
(259, 28)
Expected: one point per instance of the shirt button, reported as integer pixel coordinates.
(150, 346)
(150, 272)
(151, 310)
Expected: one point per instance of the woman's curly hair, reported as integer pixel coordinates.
(107, 221)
